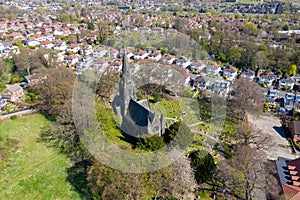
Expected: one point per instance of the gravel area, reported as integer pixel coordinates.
(272, 126)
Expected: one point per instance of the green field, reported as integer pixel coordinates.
(33, 170)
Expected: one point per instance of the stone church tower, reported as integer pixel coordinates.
(137, 118)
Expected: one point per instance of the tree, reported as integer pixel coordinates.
(150, 143)
(157, 97)
(4, 73)
(259, 59)
(292, 70)
(179, 134)
(55, 93)
(72, 38)
(176, 181)
(182, 183)
(247, 98)
(243, 174)
(285, 27)
(250, 28)
(106, 84)
(203, 164)
(29, 60)
(103, 31)
(246, 135)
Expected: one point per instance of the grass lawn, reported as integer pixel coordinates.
(33, 170)
(171, 109)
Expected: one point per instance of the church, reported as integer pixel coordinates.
(137, 119)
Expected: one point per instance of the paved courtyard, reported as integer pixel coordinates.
(272, 126)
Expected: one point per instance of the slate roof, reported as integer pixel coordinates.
(13, 88)
(289, 172)
(139, 114)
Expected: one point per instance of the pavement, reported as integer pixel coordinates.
(272, 126)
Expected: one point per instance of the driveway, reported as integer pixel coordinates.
(272, 126)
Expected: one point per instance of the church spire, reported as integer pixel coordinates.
(125, 64)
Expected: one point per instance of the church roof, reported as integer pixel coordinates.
(139, 114)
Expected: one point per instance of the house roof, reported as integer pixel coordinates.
(32, 77)
(200, 79)
(268, 75)
(12, 88)
(230, 69)
(291, 191)
(295, 162)
(248, 72)
(288, 171)
(288, 79)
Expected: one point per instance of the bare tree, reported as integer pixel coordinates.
(247, 135)
(107, 83)
(182, 183)
(29, 60)
(243, 175)
(247, 98)
(55, 93)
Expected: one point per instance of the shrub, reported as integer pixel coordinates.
(13, 117)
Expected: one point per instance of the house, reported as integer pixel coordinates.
(264, 91)
(156, 56)
(71, 60)
(91, 37)
(167, 59)
(58, 33)
(221, 87)
(213, 69)
(290, 96)
(13, 93)
(34, 79)
(201, 83)
(116, 66)
(272, 94)
(47, 44)
(86, 50)
(272, 102)
(60, 46)
(288, 105)
(297, 97)
(74, 48)
(1, 48)
(113, 53)
(249, 74)
(183, 62)
(296, 78)
(229, 73)
(2, 101)
(286, 83)
(197, 66)
(289, 176)
(294, 128)
(100, 65)
(140, 55)
(266, 78)
(99, 52)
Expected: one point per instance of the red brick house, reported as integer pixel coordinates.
(13, 93)
(289, 176)
(294, 128)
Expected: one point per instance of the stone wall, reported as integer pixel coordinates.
(19, 114)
